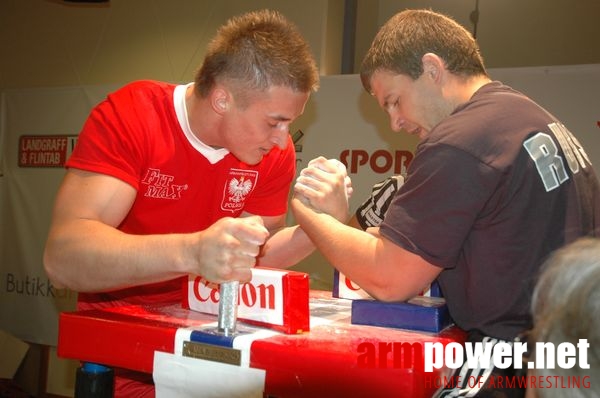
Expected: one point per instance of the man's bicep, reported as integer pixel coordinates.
(93, 196)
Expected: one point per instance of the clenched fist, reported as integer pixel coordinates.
(324, 186)
(227, 250)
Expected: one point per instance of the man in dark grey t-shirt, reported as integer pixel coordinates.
(496, 184)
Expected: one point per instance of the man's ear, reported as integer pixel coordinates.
(220, 100)
(433, 66)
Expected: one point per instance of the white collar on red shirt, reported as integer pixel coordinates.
(213, 155)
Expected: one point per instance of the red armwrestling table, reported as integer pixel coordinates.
(334, 359)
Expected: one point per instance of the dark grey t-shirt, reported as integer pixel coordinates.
(490, 193)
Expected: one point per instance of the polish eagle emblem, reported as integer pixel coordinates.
(238, 188)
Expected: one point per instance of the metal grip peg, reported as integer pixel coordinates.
(228, 304)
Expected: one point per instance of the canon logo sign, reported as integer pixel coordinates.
(274, 298)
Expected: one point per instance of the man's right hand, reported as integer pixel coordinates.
(325, 187)
(227, 250)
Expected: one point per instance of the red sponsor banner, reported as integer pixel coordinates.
(45, 150)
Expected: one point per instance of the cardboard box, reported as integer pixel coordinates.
(13, 351)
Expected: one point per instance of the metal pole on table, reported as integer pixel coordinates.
(228, 304)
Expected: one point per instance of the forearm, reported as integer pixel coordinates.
(347, 249)
(286, 248)
(88, 256)
(380, 267)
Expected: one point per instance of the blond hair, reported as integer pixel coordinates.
(255, 51)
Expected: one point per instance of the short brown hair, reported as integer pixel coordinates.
(402, 41)
(255, 51)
